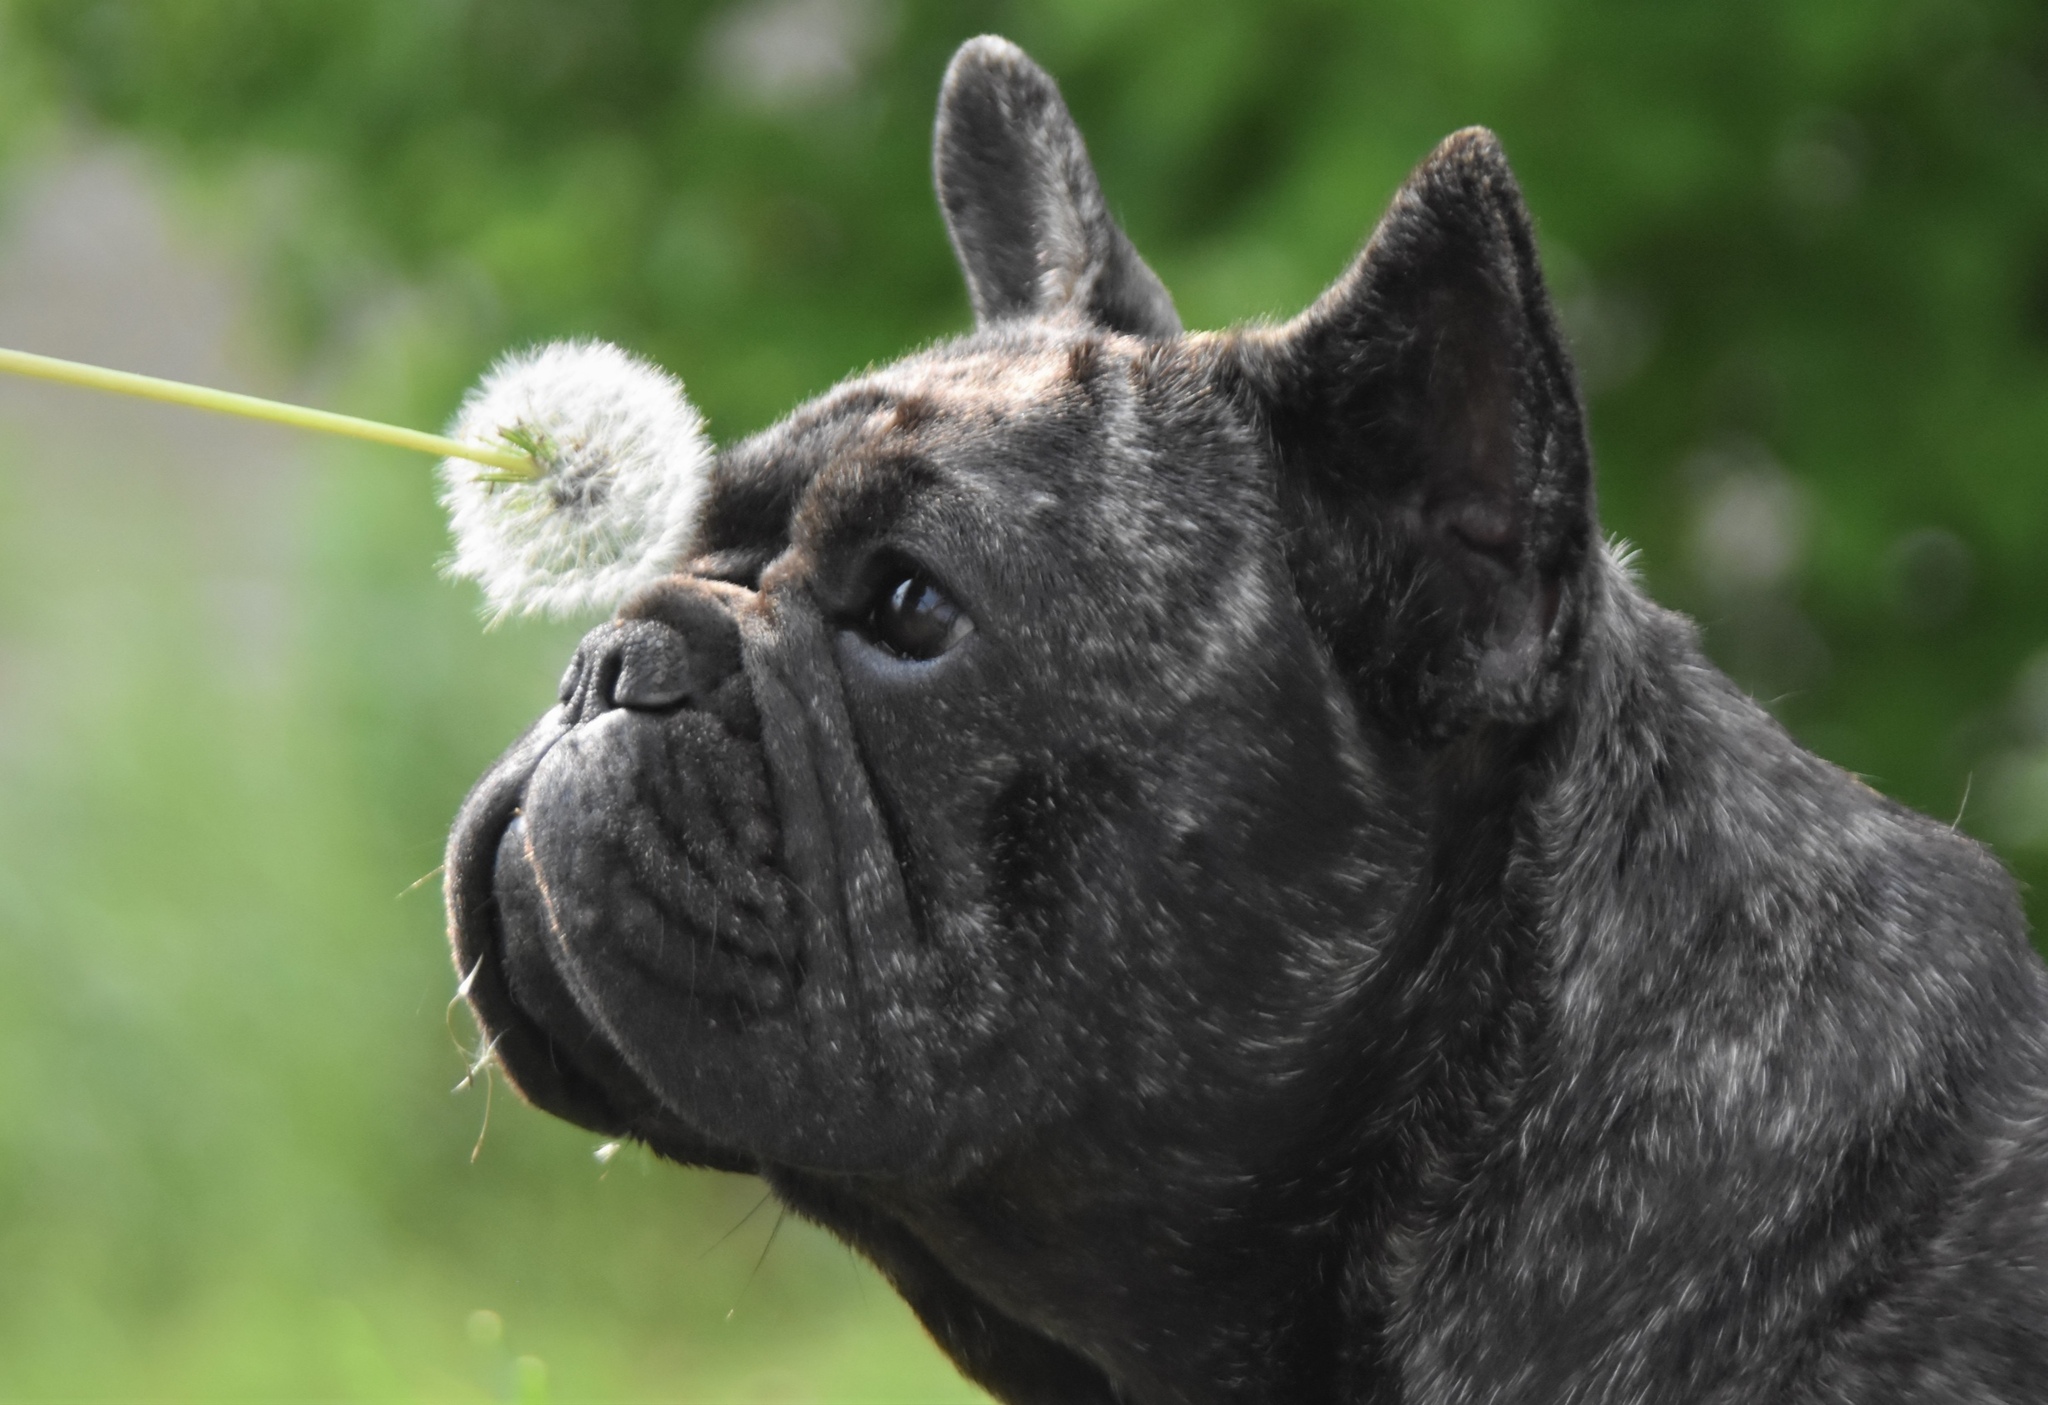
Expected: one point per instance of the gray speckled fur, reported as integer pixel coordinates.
(1324, 935)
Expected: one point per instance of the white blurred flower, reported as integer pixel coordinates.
(622, 458)
(787, 54)
(2010, 798)
(1751, 530)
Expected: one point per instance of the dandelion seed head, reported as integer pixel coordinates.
(622, 458)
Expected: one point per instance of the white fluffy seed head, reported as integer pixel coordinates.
(622, 458)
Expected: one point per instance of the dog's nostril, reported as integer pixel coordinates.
(635, 664)
(654, 668)
(602, 685)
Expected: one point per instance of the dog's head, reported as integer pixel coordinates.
(1055, 728)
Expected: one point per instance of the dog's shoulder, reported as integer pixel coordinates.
(1793, 1027)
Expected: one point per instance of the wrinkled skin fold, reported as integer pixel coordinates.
(1307, 928)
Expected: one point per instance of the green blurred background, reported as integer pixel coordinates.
(1802, 248)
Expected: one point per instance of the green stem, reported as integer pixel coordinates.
(512, 463)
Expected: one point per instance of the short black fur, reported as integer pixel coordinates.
(1321, 934)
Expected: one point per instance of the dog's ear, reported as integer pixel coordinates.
(1022, 204)
(1434, 470)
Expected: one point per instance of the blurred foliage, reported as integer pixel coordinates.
(1802, 246)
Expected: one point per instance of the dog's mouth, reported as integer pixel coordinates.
(507, 949)
(680, 915)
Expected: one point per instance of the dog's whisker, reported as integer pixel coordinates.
(455, 1001)
(481, 1132)
(860, 1278)
(781, 1214)
(481, 1063)
(739, 1224)
(422, 881)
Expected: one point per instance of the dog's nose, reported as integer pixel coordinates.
(636, 664)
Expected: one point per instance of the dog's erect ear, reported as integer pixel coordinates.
(1434, 467)
(1023, 206)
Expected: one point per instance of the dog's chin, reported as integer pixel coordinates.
(538, 1034)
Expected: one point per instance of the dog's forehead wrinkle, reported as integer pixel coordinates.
(975, 379)
(975, 417)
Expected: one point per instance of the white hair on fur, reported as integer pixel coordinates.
(622, 457)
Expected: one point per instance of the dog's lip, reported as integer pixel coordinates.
(522, 1048)
(612, 1101)
(490, 808)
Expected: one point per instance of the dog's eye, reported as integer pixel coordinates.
(915, 619)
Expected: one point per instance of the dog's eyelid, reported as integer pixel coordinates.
(887, 564)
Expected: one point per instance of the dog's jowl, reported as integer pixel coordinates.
(1191, 851)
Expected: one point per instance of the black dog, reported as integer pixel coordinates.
(1191, 852)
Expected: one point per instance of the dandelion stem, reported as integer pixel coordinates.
(512, 463)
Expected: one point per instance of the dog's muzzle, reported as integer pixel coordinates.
(617, 849)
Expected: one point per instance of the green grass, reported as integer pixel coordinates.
(230, 1164)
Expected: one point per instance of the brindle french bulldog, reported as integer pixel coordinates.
(1191, 852)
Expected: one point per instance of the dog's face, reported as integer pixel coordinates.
(1054, 729)
(886, 837)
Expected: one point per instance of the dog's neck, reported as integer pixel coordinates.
(1697, 904)
(1260, 1276)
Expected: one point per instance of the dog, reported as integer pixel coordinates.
(1193, 854)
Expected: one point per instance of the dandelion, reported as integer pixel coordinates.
(620, 458)
(571, 475)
